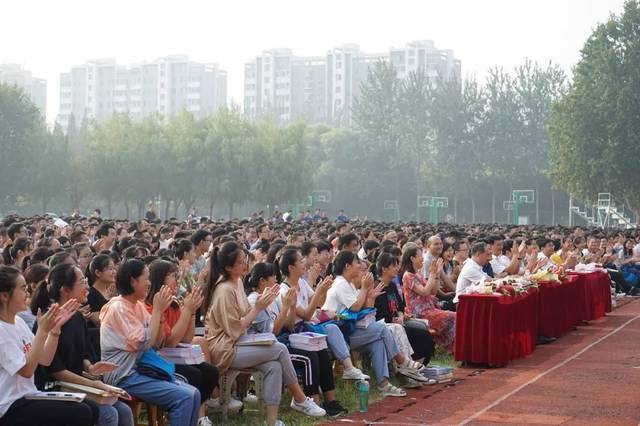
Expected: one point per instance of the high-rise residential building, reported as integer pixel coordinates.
(35, 88)
(421, 55)
(322, 89)
(166, 86)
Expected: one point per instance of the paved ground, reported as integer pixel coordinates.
(589, 376)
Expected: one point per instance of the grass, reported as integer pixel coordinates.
(253, 414)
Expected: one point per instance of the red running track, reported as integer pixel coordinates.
(590, 376)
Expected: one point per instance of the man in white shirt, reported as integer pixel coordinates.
(547, 248)
(472, 270)
(432, 252)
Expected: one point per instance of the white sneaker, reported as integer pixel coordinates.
(279, 423)
(390, 390)
(216, 405)
(354, 373)
(308, 407)
(204, 421)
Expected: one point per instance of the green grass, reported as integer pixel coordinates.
(346, 393)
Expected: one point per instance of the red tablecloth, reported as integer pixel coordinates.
(595, 298)
(558, 310)
(495, 329)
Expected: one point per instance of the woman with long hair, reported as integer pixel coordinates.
(229, 316)
(420, 295)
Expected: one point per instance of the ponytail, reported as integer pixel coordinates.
(221, 258)
(61, 275)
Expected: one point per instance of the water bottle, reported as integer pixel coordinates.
(363, 393)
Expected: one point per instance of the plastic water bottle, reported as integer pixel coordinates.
(363, 393)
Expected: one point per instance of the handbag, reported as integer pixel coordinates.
(151, 364)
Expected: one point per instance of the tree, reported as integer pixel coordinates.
(20, 122)
(49, 172)
(595, 129)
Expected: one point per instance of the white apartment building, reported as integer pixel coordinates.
(166, 86)
(421, 55)
(286, 87)
(35, 88)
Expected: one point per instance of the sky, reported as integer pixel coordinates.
(49, 37)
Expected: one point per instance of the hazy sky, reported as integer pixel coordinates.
(48, 37)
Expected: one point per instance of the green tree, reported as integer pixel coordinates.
(595, 129)
(20, 123)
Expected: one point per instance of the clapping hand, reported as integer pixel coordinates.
(162, 299)
(325, 285)
(376, 291)
(367, 281)
(193, 300)
(267, 297)
(290, 299)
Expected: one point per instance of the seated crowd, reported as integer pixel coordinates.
(90, 303)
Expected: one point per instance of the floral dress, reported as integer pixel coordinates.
(426, 307)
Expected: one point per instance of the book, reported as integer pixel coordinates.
(258, 339)
(308, 341)
(365, 322)
(56, 396)
(98, 395)
(183, 353)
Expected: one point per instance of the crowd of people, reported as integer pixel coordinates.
(90, 301)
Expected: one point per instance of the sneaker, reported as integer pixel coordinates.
(216, 405)
(390, 390)
(308, 408)
(334, 409)
(279, 423)
(204, 421)
(354, 373)
(251, 397)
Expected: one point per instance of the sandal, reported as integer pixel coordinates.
(411, 365)
(390, 390)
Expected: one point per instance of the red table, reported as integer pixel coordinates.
(558, 310)
(496, 329)
(595, 299)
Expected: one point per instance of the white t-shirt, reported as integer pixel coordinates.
(305, 293)
(471, 273)
(549, 264)
(15, 342)
(500, 263)
(341, 295)
(636, 250)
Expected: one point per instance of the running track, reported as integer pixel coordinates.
(590, 376)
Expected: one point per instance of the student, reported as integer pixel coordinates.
(375, 340)
(66, 282)
(20, 354)
(229, 315)
(179, 327)
(127, 331)
(295, 296)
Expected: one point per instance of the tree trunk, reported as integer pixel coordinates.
(493, 205)
(176, 206)
(553, 208)
(167, 205)
(473, 210)
(109, 207)
(537, 195)
(455, 207)
(211, 203)
(230, 209)
(45, 201)
(126, 209)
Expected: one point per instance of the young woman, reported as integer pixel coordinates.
(102, 283)
(375, 341)
(83, 255)
(18, 253)
(127, 331)
(66, 282)
(229, 315)
(21, 354)
(33, 276)
(390, 307)
(296, 294)
(419, 295)
(179, 327)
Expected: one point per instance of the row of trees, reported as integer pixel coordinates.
(473, 142)
(223, 159)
